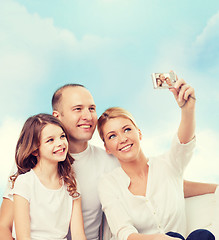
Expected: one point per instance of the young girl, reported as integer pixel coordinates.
(143, 199)
(46, 196)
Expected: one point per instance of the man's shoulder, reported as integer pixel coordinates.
(101, 157)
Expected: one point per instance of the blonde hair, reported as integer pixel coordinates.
(113, 112)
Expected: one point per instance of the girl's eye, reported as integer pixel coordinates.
(63, 136)
(127, 130)
(112, 136)
(50, 140)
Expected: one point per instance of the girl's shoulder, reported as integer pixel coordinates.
(25, 177)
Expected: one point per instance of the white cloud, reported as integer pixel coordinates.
(210, 31)
(9, 132)
(31, 49)
(205, 163)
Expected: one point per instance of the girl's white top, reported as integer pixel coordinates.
(50, 210)
(161, 209)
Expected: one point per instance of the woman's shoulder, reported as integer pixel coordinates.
(114, 180)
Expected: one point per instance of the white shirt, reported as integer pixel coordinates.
(161, 209)
(50, 210)
(89, 166)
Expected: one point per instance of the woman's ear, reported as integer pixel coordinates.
(140, 134)
(107, 150)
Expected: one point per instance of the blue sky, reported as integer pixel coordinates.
(112, 47)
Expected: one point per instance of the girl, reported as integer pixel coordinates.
(143, 199)
(46, 196)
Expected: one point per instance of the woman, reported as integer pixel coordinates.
(143, 199)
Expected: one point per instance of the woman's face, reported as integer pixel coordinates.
(162, 77)
(122, 139)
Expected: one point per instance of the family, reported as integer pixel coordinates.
(62, 184)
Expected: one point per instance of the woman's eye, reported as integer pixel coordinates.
(127, 129)
(112, 136)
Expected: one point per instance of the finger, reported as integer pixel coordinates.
(179, 84)
(189, 92)
(182, 91)
(174, 74)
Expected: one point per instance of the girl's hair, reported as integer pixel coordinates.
(113, 112)
(29, 142)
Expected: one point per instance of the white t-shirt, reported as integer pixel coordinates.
(89, 166)
(162, 208)
(50, 210)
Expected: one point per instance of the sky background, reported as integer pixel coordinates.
(112, 47)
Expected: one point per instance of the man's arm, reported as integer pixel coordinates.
(6, 219)
(192, 189)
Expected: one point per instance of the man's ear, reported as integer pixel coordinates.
(107, 150)
(56, 114)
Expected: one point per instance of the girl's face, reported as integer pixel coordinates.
(53, 144)
(122, 139)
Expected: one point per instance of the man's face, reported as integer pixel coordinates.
(78, 113)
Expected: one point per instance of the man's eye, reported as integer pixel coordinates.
(77, 109)
(112, 136)
(92, 109)
(127, 129)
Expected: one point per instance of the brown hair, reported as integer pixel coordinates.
(113, 112)
(29, 142)
(56, 98)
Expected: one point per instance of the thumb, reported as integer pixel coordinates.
(174, 91)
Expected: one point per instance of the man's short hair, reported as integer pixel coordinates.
(56, 98)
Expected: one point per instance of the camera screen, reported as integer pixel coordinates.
(163, 80)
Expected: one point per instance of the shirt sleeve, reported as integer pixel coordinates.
(180, 154)
(22, 187)
(117, 217)
(9, 191)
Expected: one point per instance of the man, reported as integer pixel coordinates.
(74, 106)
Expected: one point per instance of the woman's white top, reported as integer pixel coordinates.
(50, 210)
(162, 208)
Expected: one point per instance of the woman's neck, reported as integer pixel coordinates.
(136, 167)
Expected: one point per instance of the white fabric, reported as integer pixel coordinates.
(89, 166)
(8, 191)
(50, 210)
(201, 213)
(162, 209)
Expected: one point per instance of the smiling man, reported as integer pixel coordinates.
(73, 104)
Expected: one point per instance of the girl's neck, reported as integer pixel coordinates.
(48, 174)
